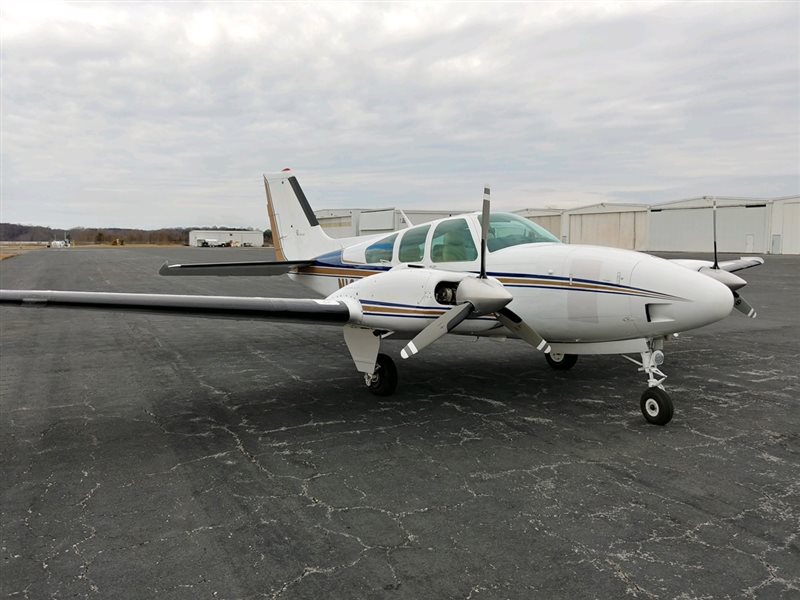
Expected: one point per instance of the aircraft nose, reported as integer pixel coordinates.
(712, 299)
(691, 299)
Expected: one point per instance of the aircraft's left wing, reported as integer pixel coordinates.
(225, 307)
(230, 269)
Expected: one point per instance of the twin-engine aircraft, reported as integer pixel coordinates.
(481, 274)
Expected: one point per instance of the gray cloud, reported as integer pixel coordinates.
(167, 114)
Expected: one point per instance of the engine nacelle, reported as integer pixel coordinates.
(407, 298)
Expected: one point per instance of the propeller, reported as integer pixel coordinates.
(734, 282)
(743, 306)
(714, 222)
(514, 323)
(484, 230)
(477, 296)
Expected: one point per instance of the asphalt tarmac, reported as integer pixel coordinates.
(149, 456)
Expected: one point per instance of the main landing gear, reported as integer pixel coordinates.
(383, 381)
(561, 362)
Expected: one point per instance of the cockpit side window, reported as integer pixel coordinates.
(381, 251)
(507, 230)
(412, 245)
(452, 242)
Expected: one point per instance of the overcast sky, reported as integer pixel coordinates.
(161, 114)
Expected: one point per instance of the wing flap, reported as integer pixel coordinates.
(233, 269)
(225, 307)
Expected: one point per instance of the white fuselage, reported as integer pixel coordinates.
(567, 293)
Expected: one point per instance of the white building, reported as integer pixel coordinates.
(618, 225)
(221, 237)
(744, 225)
(549, 218)
(349, 222)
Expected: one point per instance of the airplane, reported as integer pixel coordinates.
(481, 274)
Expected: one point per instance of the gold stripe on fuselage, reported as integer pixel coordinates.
(576, 285)
(555, 284)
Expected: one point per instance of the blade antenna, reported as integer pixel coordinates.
(484, 230)
(714, 219)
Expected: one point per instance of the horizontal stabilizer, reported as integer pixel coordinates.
(233, 269)
(225, 307)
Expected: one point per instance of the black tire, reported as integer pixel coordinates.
(656, 406)
(384, 381)
(561, 362)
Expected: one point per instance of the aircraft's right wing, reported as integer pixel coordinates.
(225, 307)
(230, 269)
(731, 266)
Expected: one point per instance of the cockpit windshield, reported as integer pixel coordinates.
(506, 229)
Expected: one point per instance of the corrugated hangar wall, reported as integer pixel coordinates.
(624, 228)
(550, 222)
(739, 229)
(743, 225)
(785, 231)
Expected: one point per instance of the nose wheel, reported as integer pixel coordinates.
(656, 406)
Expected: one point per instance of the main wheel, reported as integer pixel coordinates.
(656, 406)
(562, 362)
(384, 379)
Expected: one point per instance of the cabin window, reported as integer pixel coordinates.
(412, 246)
(507, 230)
(452, 242)
(381, 251)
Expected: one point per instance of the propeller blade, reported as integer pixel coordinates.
(444, 323)
(714, 217)
(484, 230)
(743, 306)
(514, 323)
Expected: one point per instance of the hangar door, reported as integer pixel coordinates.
(618, 229)
(550, 222)
(739, 229)
(791, 228)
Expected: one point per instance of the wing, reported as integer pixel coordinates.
(224, 307)
(231, 269)
(731, 266)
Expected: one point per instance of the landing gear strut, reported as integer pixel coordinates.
(656, 404)
(383, 381)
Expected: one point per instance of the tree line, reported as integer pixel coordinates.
(15, 232)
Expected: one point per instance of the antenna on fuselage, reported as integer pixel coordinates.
(714, 220)
(484, 230)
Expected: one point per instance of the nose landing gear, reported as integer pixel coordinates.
(655, 403)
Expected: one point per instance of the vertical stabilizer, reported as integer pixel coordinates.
(296, 233)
